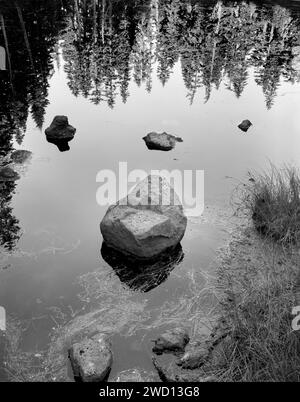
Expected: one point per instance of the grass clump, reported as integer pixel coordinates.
(258, 283)
(273, 199)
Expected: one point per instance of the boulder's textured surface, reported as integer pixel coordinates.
(20, 156)
(91, 359)
(161, 141)
(245, 125)
(8, 174)
(60, 129)
(173, 340)
(147, 222)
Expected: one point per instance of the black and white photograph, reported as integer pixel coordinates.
(149, 194)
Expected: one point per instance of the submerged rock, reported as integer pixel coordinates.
(60, 129)
(20, 156)
(161, 142)
(173, 340)
(8, 174)
(147, 222)
(91, 359)
(245, 125)
(140, 274)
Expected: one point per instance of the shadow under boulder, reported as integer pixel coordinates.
(142, 275)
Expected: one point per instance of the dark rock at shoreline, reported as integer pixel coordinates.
(60, 129)
(245, 125)
(173, 340)
(91, 359)
(161, 142)
(149, 221)
(197, 358)
(8, 174)
(142, 275)
(20, 156)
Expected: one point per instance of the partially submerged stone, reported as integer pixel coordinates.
(173, 340)
(245, 125)
(147, 222)
(91, 359)
(161, 141)
(8, 174)
(20, 156)
(60, 129)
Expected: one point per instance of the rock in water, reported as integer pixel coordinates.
(60, 129)
(91, 359)
(147, 222)
(8, 174)
(161, 142)
(173, 340)
(20, 156)
(245, 125)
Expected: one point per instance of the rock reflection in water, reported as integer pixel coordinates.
(139, 274)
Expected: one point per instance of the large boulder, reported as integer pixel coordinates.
(60, 129)
(161, 141)
(91, 359)
(147, 222)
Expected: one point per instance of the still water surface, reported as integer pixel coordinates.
(119, 70)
